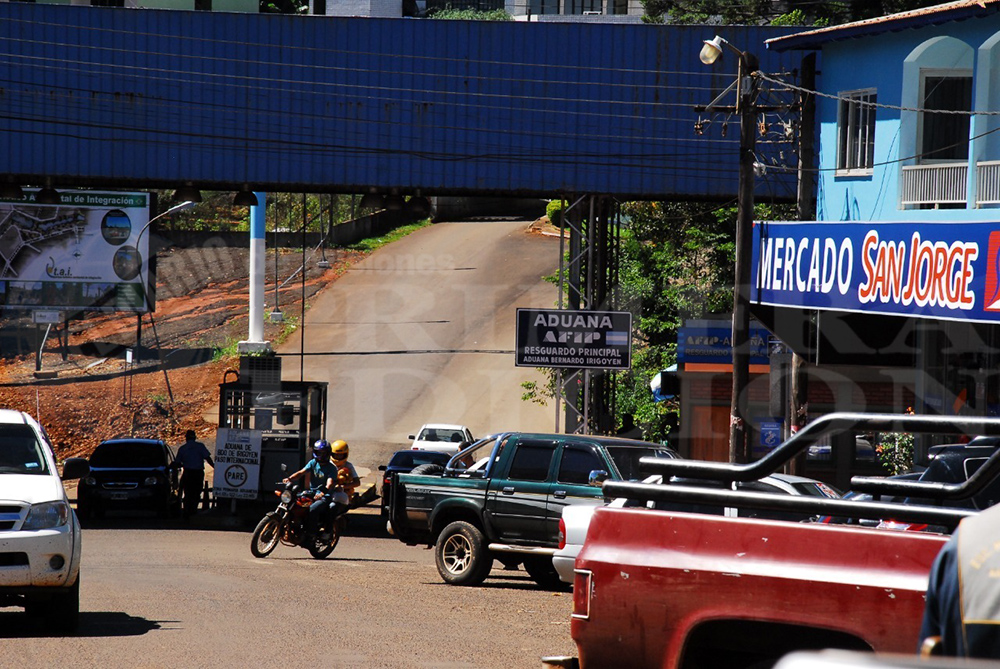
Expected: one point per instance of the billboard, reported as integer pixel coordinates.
(573, 339)
(86, 253)
(947, 271)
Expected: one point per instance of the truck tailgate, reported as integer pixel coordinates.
(657, 575)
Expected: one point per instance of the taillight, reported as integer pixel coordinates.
(582, 582)
(562, 534)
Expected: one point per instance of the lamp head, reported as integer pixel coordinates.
(711, 50)
(48, 195)
(188, 192)
(371, 201)
(246, 198)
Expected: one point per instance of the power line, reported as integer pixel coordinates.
(862, 103)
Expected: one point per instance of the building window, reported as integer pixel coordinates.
(945, 137)
(203, 5)
(856, 131)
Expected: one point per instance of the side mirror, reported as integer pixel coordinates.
(381, 468)
(411, 436)
(284, 467)
(597, 477)
(75, 468)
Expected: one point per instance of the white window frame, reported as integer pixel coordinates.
(848, 126)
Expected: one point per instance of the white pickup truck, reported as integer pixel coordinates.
(39, 532)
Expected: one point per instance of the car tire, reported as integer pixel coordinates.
(428, 469)
(461, 555)
(61, 613)
(543, 572)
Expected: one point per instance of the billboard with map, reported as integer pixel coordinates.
(89, 252)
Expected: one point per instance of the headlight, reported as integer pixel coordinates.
(151, 480)
(286, 496)
(46, 516)
(90, 480)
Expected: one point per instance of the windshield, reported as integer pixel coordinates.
(817, 489)
(441, 434)
(20, 452)
(626, 459)
(128, 454)
(412, 459)
(476, 458)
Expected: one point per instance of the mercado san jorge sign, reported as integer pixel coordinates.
(574, 339)
(925, 270)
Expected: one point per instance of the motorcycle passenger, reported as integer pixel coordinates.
(318, 477)
(347, 478)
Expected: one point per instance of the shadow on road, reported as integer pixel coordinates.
(15, 624)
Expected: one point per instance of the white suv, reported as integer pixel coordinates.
(39, 532)
(441, 437)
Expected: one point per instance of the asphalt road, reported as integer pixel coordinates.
(423, 331)
(161, 595)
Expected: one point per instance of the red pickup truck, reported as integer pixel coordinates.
(666, 588)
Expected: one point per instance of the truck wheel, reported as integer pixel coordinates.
(543, 572)
(429, 469)
(60, 613)
(461, 554)
(64, 610)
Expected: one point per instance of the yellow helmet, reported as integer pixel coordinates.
(340, 449)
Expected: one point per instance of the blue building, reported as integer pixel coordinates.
(893, 293)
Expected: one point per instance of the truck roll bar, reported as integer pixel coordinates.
(835, 423)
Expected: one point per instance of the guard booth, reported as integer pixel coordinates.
(291, 415)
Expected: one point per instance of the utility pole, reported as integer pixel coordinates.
(745, 107)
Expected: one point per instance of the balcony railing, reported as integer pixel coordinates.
(988, 180)
(939, 183)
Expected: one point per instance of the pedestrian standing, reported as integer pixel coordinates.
(191, 457)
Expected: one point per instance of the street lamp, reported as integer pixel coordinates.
(746, 92)
(176, 207)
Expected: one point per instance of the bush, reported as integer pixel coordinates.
(554, 210)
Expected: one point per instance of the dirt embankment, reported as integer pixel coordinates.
(173, 381)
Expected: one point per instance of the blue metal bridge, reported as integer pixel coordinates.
(126, 98)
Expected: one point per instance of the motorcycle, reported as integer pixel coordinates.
(287, 525)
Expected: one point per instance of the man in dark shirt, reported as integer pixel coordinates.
(962, 613)
(192, 456)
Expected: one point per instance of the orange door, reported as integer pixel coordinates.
(710, 433)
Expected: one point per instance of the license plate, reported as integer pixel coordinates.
(117, 496)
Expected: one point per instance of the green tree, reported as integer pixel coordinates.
(469, 14)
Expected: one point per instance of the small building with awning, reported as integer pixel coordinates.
(892, 295)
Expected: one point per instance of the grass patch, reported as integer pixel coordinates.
(288, 326)
(372, 243)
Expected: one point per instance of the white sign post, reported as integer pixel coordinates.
(237, 463)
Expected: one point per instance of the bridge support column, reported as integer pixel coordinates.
(589, 275)
(255, 341)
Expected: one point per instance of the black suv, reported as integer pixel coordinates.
(129, 474)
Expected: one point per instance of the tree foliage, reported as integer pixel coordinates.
(759, 12)
(470, 14)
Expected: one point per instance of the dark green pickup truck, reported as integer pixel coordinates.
(503, 497)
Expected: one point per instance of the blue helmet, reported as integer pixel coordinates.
(320, 447)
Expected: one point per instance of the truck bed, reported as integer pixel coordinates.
(645, 604)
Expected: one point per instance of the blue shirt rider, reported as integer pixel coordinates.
(319, 477)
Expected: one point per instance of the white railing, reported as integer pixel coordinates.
(988, 182)
(939, 183)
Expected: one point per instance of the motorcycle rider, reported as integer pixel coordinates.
(347, 479)
(320, 478)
